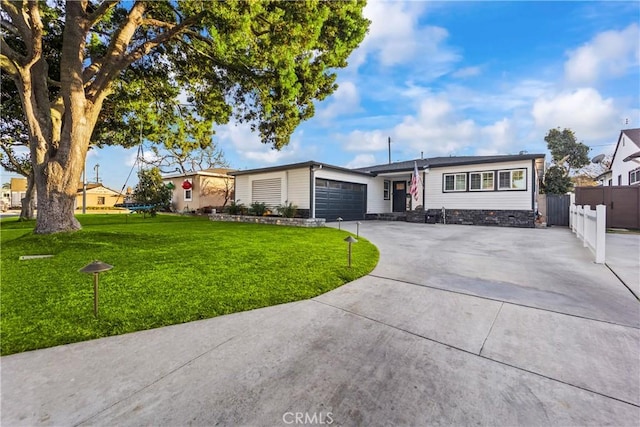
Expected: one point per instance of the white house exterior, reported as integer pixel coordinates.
(495, 190)
(625, 165)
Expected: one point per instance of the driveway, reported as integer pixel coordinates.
(457, 325)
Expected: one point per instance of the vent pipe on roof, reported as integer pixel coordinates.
(422, 155)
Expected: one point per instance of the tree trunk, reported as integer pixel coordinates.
(56, 212)
(26, 211)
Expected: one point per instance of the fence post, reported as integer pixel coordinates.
(601, 233)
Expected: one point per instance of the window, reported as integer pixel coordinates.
(481, 181)
(634, 177)
(619, 179)
(187, 195)
(455, 182)
(101, 200)
(512, 179)
(387, 190)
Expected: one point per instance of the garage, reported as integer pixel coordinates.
(347, 200)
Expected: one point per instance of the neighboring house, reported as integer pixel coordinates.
(500, 190)
(17, 191)
(98, 197)
(625, 165)
(209, 188)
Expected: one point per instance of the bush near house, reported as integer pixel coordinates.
(167, 269)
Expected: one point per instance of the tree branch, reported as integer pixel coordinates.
(100, 11)
(8, 25)
(9, 64)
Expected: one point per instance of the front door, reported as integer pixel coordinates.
(399, 196)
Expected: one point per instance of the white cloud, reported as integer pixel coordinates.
(609, 54)
(361, 160)
(247, 144)
(345, 100)
(466, 72)
(435, 129)
(498, 138)
(583, 110)
(132, 156)
(358, 140)
(396, 37)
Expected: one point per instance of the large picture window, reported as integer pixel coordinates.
(515, 179)
(481, 181)
(455, 182)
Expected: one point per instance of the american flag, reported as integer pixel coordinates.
(415, 179)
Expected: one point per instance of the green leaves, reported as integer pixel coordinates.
(565, 149)
(151, 190)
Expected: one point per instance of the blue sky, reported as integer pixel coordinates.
(459, 78)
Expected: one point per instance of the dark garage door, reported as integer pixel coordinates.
(335, 199)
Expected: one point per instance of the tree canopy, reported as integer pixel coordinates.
(151, 190)
(89, 72)
(565, 150)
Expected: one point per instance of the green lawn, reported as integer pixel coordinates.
(167, 270)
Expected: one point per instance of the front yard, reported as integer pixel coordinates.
(167, 270)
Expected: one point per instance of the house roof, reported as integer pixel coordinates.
(221, 172)
(94, 185)
(308, 164)
(633, 135)
(438, 162)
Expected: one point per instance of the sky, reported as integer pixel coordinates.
(457, 78)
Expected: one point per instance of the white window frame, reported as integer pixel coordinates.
(511, 182)
(482, 181)
(636, 177)
(188, 194)
(387, 190)
(455, 182)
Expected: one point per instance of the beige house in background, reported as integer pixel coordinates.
(208, 188)
(17, 191)
(98, 197)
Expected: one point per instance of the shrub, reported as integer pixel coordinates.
(258, 209)
(287, 210)
(236, 208)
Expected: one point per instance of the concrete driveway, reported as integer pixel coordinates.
(457, 325)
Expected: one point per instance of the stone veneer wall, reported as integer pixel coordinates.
(274, 220)
(512, 218)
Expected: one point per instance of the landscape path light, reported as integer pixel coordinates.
(96, 267)
(358, 229)
(339, 222)
(350, 240)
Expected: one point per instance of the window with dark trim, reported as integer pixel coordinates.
(387, 190)
(101, 200)
(481, 181)
(455, 182)
(514, 179)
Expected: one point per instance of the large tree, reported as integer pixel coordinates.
(567, 155)
(90, 72)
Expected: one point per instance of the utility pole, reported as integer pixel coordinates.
(97, 168)
(389, 150)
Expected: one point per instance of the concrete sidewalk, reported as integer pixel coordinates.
(457, 325)
(623, 257)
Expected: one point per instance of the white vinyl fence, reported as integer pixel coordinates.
(590, 227)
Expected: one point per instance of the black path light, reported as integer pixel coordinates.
(358, 229)
(96, 267)
(350, 240)
(339, 222)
